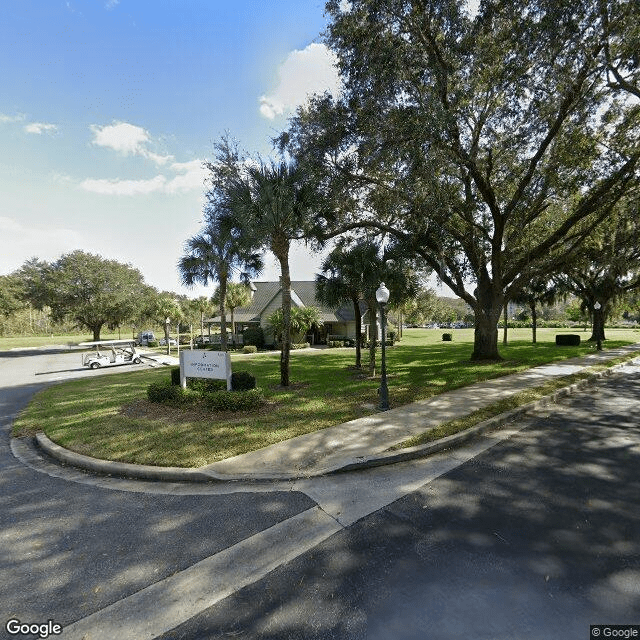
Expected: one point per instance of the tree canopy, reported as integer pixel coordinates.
(84, 288)
(490, 143)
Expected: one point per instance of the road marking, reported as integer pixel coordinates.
(164, 605)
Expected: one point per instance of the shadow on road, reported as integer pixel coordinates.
(536, 539)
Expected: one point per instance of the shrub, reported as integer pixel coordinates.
(234, 401)
(205, 385)
(175, 375)
(253, 336)
(567, 340)
(447, 337)
(335, 343)
(167, 393)
(304, 345)
(242, 381)
(250, 348)
(153, 343)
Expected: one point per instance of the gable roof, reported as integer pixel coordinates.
(303, 294)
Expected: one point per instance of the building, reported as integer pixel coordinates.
(266, 297)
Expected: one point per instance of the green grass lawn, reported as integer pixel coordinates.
(109, 417)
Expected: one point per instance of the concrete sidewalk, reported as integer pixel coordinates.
(365, 441)
(360, 443)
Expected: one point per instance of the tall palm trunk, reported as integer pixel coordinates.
(280, 249)
(373, 334)
(358, 318)
(223, 317)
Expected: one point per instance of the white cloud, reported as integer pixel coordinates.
(111, 4)
(6, 119)
(312, 70)
(40, 128)
(189, 176)
(127, 139)
(20, 241)
(124, 187)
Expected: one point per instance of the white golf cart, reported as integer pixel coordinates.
(110, 353)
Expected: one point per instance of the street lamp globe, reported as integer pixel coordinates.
(382, 294)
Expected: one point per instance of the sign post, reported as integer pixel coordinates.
(205, 364)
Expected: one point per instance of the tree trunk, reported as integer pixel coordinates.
(356, 311)
(373, 335)
(597, 332)
(96, 332)
(506, 321)
(223, 317)
(280, 249)
(534, 320)
(487, 314)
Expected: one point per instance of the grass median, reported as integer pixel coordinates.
(109, 417)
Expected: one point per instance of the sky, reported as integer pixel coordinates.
(109, 107)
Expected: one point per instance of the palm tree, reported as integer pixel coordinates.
(237, 295)
(343, 280)
(199, 307)
(352, 273)
(275, 203)
(221, 249)
(539, 290)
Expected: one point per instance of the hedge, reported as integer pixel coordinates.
(234, 400)
(215, 399)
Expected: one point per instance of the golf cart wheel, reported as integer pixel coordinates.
(137, 361)
(95, 365)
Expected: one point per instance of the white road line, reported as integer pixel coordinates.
(166, 604)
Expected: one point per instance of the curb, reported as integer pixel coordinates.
(190, 474)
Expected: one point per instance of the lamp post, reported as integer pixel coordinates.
(597, 325)
(167, 322)
(382, 296)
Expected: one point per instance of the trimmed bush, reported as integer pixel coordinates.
(175, 375)
(167, 393)
(250, 348)
(304, 345)
(253, 336)
(153, 343)
(447, 337)
(242, 381)
(234, 401)
(204, 385)
(567, 340)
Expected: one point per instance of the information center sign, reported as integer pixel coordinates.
(205, 364)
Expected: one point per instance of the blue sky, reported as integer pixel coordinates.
(109, 107)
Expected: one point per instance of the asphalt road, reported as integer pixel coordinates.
(535, 537)
(68, 548)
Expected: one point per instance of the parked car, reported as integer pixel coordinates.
(172, 342)
(145, 337)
